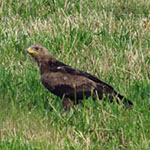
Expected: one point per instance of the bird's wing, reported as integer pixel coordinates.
(72, 71)
(53, 63)
(65, 80)
(58, 66)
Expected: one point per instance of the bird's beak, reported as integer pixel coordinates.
(30, 51)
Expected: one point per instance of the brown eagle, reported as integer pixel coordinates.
(70, 84)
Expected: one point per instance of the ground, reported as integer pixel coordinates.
(109, 39)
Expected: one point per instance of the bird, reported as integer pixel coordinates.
(70, 84)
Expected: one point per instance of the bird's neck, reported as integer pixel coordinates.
(46, 64)
(43, 68)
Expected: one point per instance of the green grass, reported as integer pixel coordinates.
(109, 39)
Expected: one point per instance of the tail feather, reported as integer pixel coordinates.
(124, 100)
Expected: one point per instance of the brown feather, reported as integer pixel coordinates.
(70, 83)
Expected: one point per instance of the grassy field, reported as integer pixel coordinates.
(109, 39)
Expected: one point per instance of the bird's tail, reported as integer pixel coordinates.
(124, 100)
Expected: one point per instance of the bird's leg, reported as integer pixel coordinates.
(67, 103)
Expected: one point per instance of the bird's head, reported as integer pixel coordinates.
(38, 52)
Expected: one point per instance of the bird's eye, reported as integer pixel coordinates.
(36, 48)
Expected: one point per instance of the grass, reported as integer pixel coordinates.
(109, 39)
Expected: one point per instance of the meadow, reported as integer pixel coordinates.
(107, 38)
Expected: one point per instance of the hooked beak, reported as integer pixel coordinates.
(30, 51)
